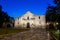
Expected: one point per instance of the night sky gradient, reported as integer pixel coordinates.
(16, 8)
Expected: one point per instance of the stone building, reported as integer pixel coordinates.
(30, 20)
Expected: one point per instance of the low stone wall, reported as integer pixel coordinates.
(32, 34)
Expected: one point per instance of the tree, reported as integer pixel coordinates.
(4, 17)
(1, 19)
(53, 13)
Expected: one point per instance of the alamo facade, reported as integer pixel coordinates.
(30, 20)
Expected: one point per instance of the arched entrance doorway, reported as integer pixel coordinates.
(28, 25)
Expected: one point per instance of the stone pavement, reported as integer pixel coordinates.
(32, 34)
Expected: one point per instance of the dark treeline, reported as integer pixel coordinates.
(53, 13)
(4, 17)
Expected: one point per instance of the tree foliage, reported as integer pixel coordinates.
(53, 12)
(4, 17)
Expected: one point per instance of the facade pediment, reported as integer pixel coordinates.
(28, 13)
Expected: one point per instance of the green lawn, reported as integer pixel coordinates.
(4, 31)
(55, 33)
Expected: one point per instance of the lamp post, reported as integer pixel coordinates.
(58, 30)
(57, 25)
(48, 26)
(48, 30)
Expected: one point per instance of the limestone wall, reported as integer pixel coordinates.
(33, 20)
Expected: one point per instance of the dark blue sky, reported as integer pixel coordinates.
(16, 8)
